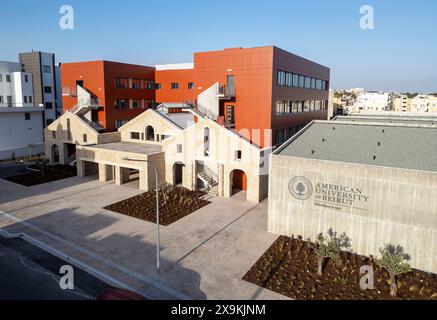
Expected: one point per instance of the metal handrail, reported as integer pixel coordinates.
(205, 112)
(209, 171)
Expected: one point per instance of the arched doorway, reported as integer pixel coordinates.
(178, 173)
(55, 154)
(238, 181)
(150, 133)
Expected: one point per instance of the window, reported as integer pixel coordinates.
(25, 99)
(313, 83)
(26, 78)
(237, 154)
(150, 133)
(149, 84)
(136, 83)
(288, 79)
(301, 81)
(157, 86)
(9, 100)
(53, 134)
(121, 104)
(174, 86)
(26, 116)
(46, 69)
(47, 89)
(121, 82)
(8, 78)
(49, 105)
(319, 84)
(1, 99)
(136, 104)
(190, 85)
(30, 99)
(179, 148)
(295, 80)
(149, 103)
(120, 123)
(307, 82)
(1, 78)
(281, 78)
(135, 135)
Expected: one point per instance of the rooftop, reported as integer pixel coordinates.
(131, 147)
(389, 119)
(388, 145)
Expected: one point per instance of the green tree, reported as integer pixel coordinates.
(393, 259)
(166, 189)
(329, 247)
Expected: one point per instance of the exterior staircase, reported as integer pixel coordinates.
(210, 179)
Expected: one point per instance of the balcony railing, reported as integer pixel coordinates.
(225, 91)
(67, 91)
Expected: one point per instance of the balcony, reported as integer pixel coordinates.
(69, 92)
(225, 92)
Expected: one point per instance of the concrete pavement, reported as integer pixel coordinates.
(203, 255)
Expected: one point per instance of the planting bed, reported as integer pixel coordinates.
(180, 203)
(46, 174)
(290, 268)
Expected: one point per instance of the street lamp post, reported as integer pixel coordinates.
(157, 209)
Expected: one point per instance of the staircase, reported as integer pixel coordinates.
(210, 179)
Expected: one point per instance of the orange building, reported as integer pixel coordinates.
(264, 93)
(121, 91)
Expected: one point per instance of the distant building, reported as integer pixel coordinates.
(46, 82)
(21, 124)
(371, 102)
(420, 103)
(402, 103)
(16, 88)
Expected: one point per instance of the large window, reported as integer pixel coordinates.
(46, 69)
(174, 86)
(288, 107)
(121, 104)
(121, 82)
(47, 89)
(294, 80)
(136, 83)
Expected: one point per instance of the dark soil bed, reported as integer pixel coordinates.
(290, 268)
(46, 174)
(180, 203)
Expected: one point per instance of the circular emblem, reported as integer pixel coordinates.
(300, 188)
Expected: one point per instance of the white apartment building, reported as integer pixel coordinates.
(371, 102)
(21, 123)
(16, 87)
(420, 103)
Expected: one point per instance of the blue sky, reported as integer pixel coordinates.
(399, 54)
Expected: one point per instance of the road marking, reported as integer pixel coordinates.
(132, 273)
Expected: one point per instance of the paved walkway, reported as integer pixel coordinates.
(203, 256)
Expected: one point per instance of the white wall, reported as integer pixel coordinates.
(49, 81)
(16, 133)
(209, 99)
(17, 88)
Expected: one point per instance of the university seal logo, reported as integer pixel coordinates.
(300, 188)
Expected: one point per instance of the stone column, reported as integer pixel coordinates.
(221, 177)
(105, 172)
(144, 179)
(80, 164)
(121, 175)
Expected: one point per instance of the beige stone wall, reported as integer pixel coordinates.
(401, 206)
(162, 127)
(115, 159)
(69, 128)
(223, 145)
(109, 137)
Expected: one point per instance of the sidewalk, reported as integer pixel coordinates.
(203, 256)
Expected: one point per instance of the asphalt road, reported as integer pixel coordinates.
(29, 273)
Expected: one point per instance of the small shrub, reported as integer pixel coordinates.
(329, 247)
(166, 189)
(393, 259)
